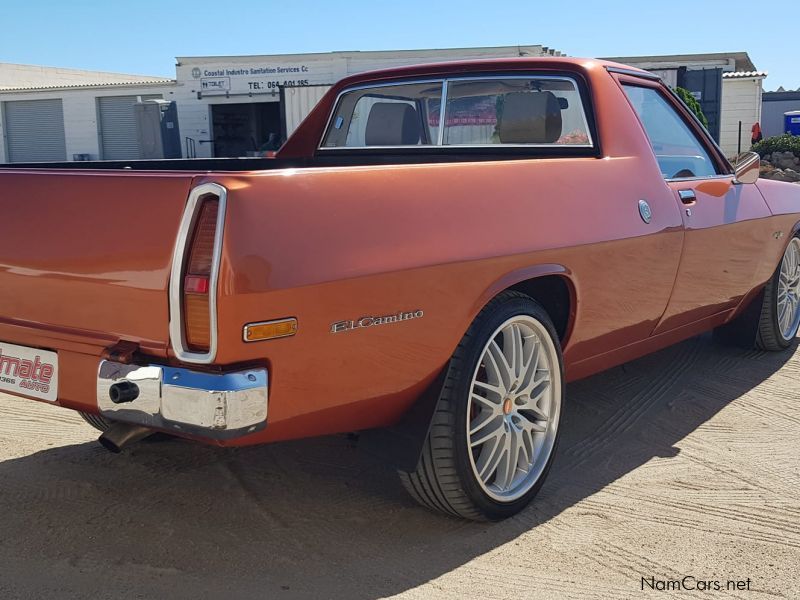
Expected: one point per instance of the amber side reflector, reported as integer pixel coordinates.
(196, 279)
(269, 330)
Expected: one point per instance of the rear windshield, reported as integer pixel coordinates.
(480, 111)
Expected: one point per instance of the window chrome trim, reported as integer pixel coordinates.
(180, 255)
(634, 73)
(442, 114)
(700, 178)
(440, 142)
(516, 146)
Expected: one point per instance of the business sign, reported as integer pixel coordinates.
(256, 71)
(250, 79)
(215, 84)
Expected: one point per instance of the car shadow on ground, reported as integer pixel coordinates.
(321, 518)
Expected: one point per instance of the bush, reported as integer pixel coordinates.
(692, 104)
(779, 143)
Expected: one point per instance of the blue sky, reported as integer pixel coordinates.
(143, 37)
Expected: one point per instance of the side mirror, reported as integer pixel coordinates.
(747, 167)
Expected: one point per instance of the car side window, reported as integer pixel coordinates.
(678, 151)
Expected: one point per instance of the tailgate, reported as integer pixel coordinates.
(89, 253)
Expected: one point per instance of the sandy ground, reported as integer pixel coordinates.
(682, 463)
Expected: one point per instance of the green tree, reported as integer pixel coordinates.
(692, 104)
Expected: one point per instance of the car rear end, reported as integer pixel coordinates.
(108, 300)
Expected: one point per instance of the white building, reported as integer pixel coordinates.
(741, 102)
(229, 106)
(52, 114)
(244, 105)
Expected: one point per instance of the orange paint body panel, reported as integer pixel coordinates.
(85, 258)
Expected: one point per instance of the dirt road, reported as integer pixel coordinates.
(684, 463)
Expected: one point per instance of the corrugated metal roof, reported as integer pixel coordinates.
(743, 74)
(37, 88)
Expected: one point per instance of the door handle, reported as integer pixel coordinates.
(687, 196)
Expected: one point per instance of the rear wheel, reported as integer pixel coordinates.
(495, 427)
(780, 311)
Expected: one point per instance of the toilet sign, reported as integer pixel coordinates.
(215, 84)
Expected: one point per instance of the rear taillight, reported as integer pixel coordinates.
(197, 278)
(193, 293)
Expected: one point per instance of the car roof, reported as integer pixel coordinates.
(450, 68)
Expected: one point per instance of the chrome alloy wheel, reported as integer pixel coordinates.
(789, 291)
(514, 407)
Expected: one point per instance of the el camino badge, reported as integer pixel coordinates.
(363, 322)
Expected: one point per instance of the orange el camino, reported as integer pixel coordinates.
(430, 257)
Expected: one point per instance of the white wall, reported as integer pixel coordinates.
(741, 101)
(242, 83)
(299, 101)
(255, 78)
(80, 113)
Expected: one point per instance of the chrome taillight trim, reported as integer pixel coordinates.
(176, 322)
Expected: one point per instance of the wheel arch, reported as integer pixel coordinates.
(552, 285)
(755, 294)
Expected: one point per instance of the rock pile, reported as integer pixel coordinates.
(781, 166)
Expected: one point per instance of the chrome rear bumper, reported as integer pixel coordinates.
(215, 406)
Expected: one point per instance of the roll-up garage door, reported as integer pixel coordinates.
(118, 126)
(35, 130)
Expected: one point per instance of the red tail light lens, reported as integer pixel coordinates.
(197, 277)
(195, 284)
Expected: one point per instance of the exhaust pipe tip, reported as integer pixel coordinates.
(120, 435)
(109, 444)
(122, 392)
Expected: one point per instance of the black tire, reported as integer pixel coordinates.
(96, 421)
(769, 336)
(444, 479)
